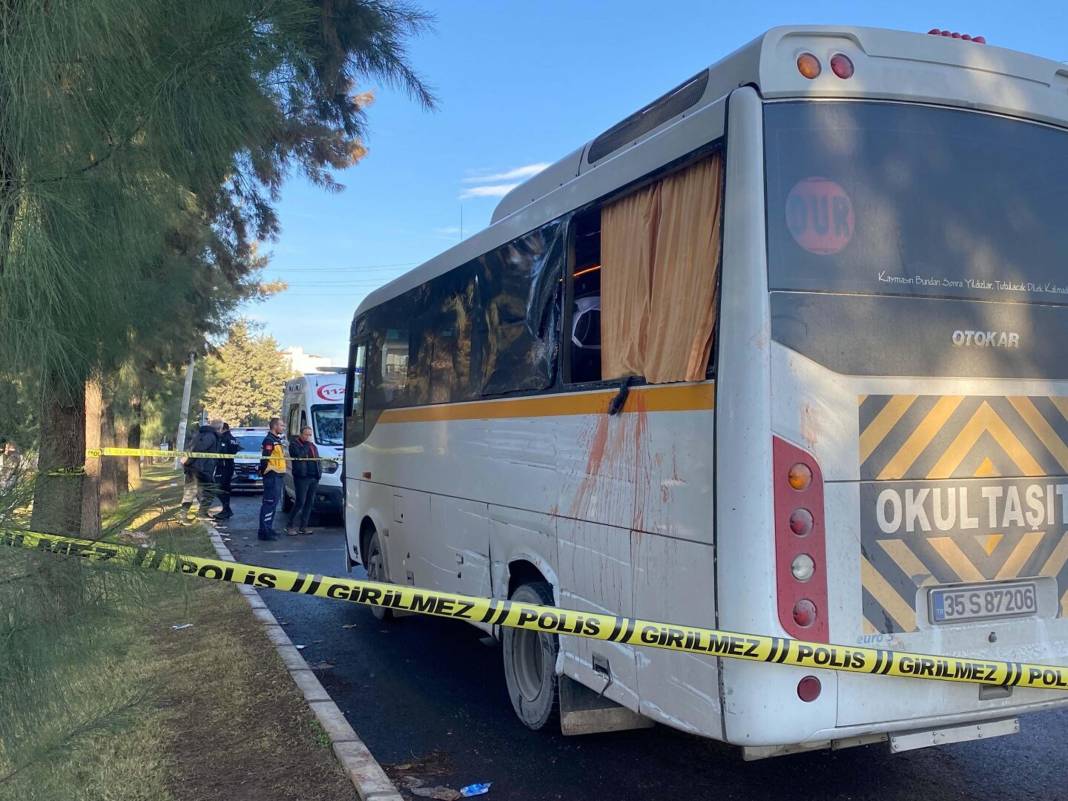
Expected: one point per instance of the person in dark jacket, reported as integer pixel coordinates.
(224, 470)
(273, 470)
(200, 470)
(307, 470)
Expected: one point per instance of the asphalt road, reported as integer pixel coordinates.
(428, 698)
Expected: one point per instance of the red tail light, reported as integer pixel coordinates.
(808, 689)
(800, 547)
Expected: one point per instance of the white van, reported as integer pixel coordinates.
(316, 400)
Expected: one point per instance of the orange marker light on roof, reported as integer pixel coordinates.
(808, 65)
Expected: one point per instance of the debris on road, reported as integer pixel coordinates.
(475, 789)
(439, 793)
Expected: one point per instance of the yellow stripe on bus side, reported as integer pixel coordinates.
(684, 398)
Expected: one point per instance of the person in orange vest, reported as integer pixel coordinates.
(273, 470)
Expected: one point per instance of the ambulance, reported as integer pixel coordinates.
(316, 400)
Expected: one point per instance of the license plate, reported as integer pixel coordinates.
(982, 602)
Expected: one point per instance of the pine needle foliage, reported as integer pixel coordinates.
(143, 145)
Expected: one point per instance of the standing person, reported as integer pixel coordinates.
(224, 470)
(273, 470)
(307, 470)
(200, 470)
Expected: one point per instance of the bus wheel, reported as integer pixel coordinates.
(530, 663)
(376, 571)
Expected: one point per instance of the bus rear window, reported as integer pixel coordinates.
(900, 199)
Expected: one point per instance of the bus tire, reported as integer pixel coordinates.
(530, 663)
(375, 565)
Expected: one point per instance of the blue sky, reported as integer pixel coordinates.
(521, 84)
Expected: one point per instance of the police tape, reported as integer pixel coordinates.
(552, 620)
(97, 453)
(59, 472)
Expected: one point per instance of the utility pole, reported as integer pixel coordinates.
(183, 419)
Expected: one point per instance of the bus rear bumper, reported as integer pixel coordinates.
(907, 735)
(909, 740)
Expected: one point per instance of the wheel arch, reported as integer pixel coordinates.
(524, 566)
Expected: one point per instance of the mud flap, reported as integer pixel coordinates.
(582, 711)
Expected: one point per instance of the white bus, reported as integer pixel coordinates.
(783, 352)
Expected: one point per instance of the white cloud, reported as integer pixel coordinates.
(517, 174)
(448, 230)
(499, 184)
(496, 190)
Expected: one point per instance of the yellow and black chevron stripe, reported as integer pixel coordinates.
(954, 436)
(924, 440)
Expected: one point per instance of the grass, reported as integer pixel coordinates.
(102, 700)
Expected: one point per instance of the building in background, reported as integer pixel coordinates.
(301, 362)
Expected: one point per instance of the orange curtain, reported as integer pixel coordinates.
(659, 264)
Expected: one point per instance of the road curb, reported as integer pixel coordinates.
(367, 776)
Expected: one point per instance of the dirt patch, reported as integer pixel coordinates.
(240, 730)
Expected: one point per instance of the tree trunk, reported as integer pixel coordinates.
(122, 463)
(133, 463)
(109, 467)
(57, 495)
(90, 503)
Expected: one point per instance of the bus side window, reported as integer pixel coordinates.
(518, 298)
(584, 341)
(394, 365)
(354, 396)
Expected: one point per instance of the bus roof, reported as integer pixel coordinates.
(889, 65)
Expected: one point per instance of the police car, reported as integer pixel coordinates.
(247, 462)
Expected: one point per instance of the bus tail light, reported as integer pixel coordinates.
(808, 65)
(842, 65)
(808, 689)
(800, 547)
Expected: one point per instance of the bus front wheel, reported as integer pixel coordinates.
(376, 571)
(530, 663)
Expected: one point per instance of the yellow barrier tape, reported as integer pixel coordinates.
(551, 620)
(97, 453)
(66, 471)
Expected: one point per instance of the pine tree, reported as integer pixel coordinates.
(143, 144)
(245, 378)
